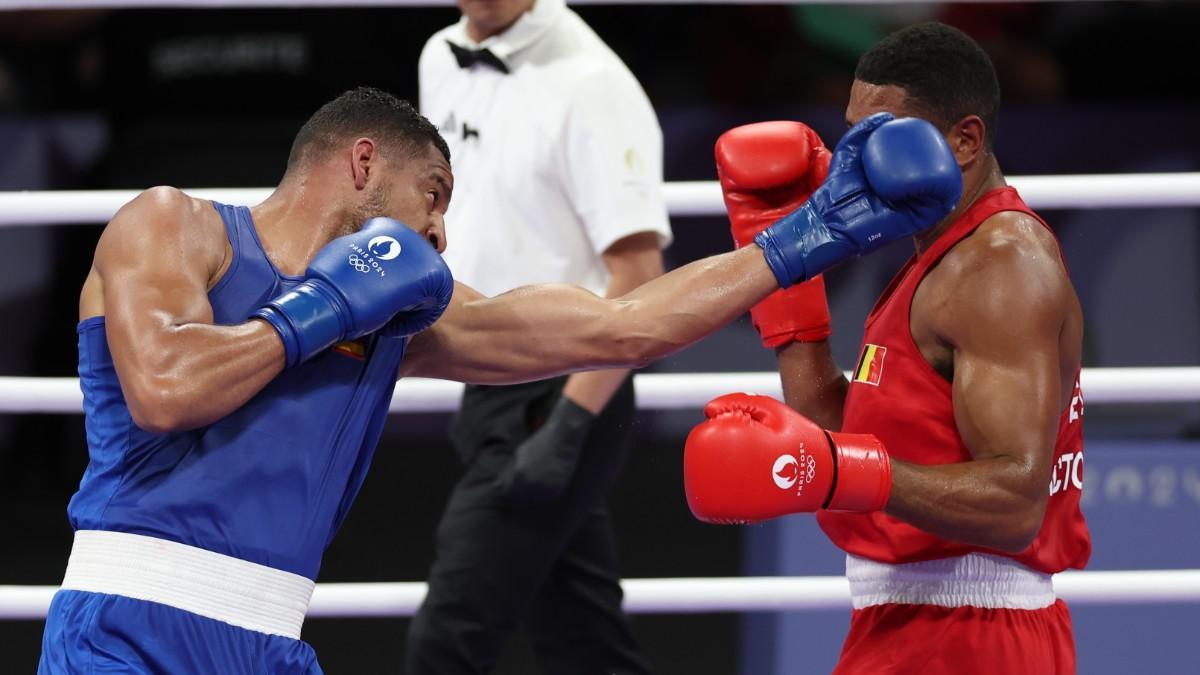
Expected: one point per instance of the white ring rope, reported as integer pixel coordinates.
(655, 391)
(687, 198)
(691, 596)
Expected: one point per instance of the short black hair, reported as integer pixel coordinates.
(944, 73)
(370, 112)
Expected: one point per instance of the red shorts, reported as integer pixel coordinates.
(895, 639)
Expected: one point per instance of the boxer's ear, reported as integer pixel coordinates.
(362, 161)
(968, 140)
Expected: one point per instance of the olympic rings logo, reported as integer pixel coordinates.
(359, 264)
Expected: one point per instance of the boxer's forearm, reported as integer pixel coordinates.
(631, 262)
(983, 502)
(813, 385)
(679, 308)
(194, 374)
(541, 331)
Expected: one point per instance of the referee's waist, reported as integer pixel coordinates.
(972, 580)
(220, 587)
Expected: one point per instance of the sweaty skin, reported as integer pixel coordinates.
(631, 261)
(999, 319)
(539, 331)
(179, 371)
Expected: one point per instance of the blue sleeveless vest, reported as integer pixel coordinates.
(271, 482)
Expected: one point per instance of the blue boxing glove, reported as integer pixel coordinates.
(888, 179)
(356, 284)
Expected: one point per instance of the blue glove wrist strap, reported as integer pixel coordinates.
(291, 347)
(800, 246)
(308, 321)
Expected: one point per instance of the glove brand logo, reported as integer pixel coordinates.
(785, 472)
(366, 259)
(384, 247)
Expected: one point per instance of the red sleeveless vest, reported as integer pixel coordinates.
(897, 396)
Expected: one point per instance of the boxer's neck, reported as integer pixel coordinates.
(978, 180)
(303, 214)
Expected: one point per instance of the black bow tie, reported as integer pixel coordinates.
(469, 57)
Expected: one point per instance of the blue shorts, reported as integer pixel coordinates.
(98, 633)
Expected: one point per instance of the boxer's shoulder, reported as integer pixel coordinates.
(1010, 233)
(166, 222)
(1007, 269)
(166, 211)
(1006, 247)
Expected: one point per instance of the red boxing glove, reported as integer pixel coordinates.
(754, 458)
(767, 170)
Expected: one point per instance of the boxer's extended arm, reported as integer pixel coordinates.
(631, 262)
(539, 331)
(888, 185)
(156, 261)
(1004, 322)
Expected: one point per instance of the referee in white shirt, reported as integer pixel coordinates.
(558, 178)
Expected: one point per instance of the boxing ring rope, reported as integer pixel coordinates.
(684, 198)
(696, 595)
(669, 392)
(655, 391)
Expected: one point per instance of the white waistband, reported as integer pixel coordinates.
(972, 580)
(237, 592)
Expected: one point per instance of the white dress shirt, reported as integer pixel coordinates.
(553, 162)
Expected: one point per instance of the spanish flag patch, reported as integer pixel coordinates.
(355, 349)
(870, 365)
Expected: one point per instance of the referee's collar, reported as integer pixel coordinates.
(527, 29)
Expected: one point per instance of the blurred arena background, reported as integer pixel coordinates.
(129, 98)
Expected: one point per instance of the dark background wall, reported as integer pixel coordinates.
(128, 99)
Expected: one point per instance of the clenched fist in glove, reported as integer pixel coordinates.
(767, 170)
(888, 179)
(755, 458)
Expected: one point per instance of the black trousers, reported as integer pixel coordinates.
(551, 567)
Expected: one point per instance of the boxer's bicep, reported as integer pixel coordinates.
(1004, 326)
(1002, 317)
(155, 270)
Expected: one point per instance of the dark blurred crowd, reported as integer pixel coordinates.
(130, 62)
